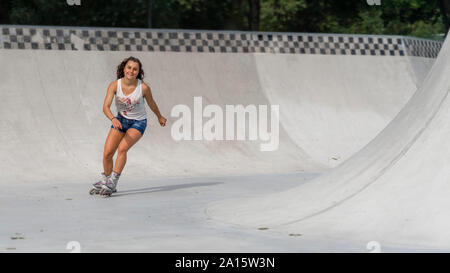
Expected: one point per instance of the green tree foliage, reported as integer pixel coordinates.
(423, 18)
(200, 14)
(112, 13)
(281, 15)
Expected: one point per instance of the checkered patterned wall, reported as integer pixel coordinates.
(423, 48)
(58, 38)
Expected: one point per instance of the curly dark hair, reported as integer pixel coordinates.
(121, 66)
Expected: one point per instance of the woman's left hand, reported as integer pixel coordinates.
(162, 120)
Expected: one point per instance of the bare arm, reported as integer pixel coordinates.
(147, 93)
(111, 91)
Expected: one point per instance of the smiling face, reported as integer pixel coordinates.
(131, 70)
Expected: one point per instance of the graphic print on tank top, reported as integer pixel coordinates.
(131, 106)
(128, 103)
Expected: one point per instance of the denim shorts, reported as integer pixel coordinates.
(139, 125)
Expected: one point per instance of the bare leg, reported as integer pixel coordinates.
(111, 144)
(131, 137)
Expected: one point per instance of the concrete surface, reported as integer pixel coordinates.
(394, 191)
(52, 133)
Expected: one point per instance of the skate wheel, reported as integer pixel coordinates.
(104, 193)
(92, 192)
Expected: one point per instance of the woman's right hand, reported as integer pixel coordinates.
(116, 123)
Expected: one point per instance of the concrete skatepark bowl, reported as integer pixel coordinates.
(361, 155)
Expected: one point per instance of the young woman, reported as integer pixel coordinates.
(129, 124)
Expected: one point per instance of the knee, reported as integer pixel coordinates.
(108, 155)
(122, 151)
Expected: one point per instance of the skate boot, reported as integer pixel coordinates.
(110, 186)
(97, 186)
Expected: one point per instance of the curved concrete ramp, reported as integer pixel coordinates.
(330, 106)
(394, 191)
(332, 102)
(54, 112)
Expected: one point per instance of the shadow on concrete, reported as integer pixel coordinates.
(164, 188)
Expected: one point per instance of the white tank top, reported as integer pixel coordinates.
(131, 106)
